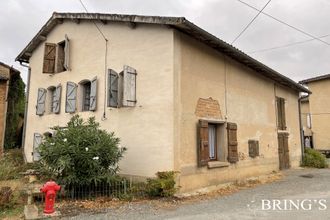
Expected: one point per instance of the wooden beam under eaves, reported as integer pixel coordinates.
(104, 22)
(42, 37)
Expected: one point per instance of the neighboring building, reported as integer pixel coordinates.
(6, 72)
(317, 111)
(306, 122)
(178, 97)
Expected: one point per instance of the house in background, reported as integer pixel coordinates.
(7, 73)
(317, 112)
(306, 122)
(178, 97)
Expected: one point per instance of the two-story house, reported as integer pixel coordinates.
(316, 113)
(178, 97)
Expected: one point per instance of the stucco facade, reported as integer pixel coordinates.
(250, 103)
(176, 76)
(146, 129)
(318, 105)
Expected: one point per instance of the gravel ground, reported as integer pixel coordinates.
(310, 185)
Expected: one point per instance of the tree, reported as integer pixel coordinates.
(81, 153)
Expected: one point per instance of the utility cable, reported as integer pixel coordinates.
(105, 63)
(285, 45)
(282, 22)
(248, 25)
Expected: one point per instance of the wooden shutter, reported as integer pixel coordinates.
(283, 113)
(67, 53)
(71, 97)
(281, 122)
(41, 99)
(113, 89)
(232, 142)
(57, 99)
(93, 95)
(129, 86)
(283, 150)
(37, 138)
(49, 58)
(203, 143)
(253, 148)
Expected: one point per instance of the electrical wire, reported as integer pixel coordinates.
(248, 25)
(285, 45)
(105, 63)
(282, 22)
(83, 5)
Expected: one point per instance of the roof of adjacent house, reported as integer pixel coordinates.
(179, 23)
(4, 76)
(313, 79)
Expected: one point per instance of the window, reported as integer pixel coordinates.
(60, 57)
(309, 121)
(212, 141)
(280, 106)
(253, 148)
(122, 88)
(86, 96)
(52, 99)
(56, 56)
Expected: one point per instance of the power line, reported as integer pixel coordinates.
(83, 5)
(248, 25)
(282, 22)
(285, 45)
(105, 62)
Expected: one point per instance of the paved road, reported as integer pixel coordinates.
(310, 195)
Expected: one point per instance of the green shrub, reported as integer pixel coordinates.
(80, 154)
(12, 164)
(314, 158)
(163, 185)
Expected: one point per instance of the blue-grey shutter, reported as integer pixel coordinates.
(129, 86)
(71, 97)
(93, 95)
(113, 89)
(57, 99)
(41, 99)
(67, 53)
(37, 138)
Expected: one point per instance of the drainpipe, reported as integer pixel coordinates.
(301, 129)
(26, 108)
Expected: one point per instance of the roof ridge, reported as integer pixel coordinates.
(315, 78)
(179, 23)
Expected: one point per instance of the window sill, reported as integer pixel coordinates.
(217, 164)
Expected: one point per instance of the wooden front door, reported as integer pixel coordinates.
(283, 151)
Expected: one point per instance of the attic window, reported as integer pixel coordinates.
(60, 57)
(56, 56)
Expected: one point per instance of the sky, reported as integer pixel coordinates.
(20, 20)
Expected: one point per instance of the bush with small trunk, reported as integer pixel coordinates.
(80, 154)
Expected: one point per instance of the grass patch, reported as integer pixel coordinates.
(12, 213)
(314, 159)
(12, 164)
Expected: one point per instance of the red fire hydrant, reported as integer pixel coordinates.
(50, 189)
